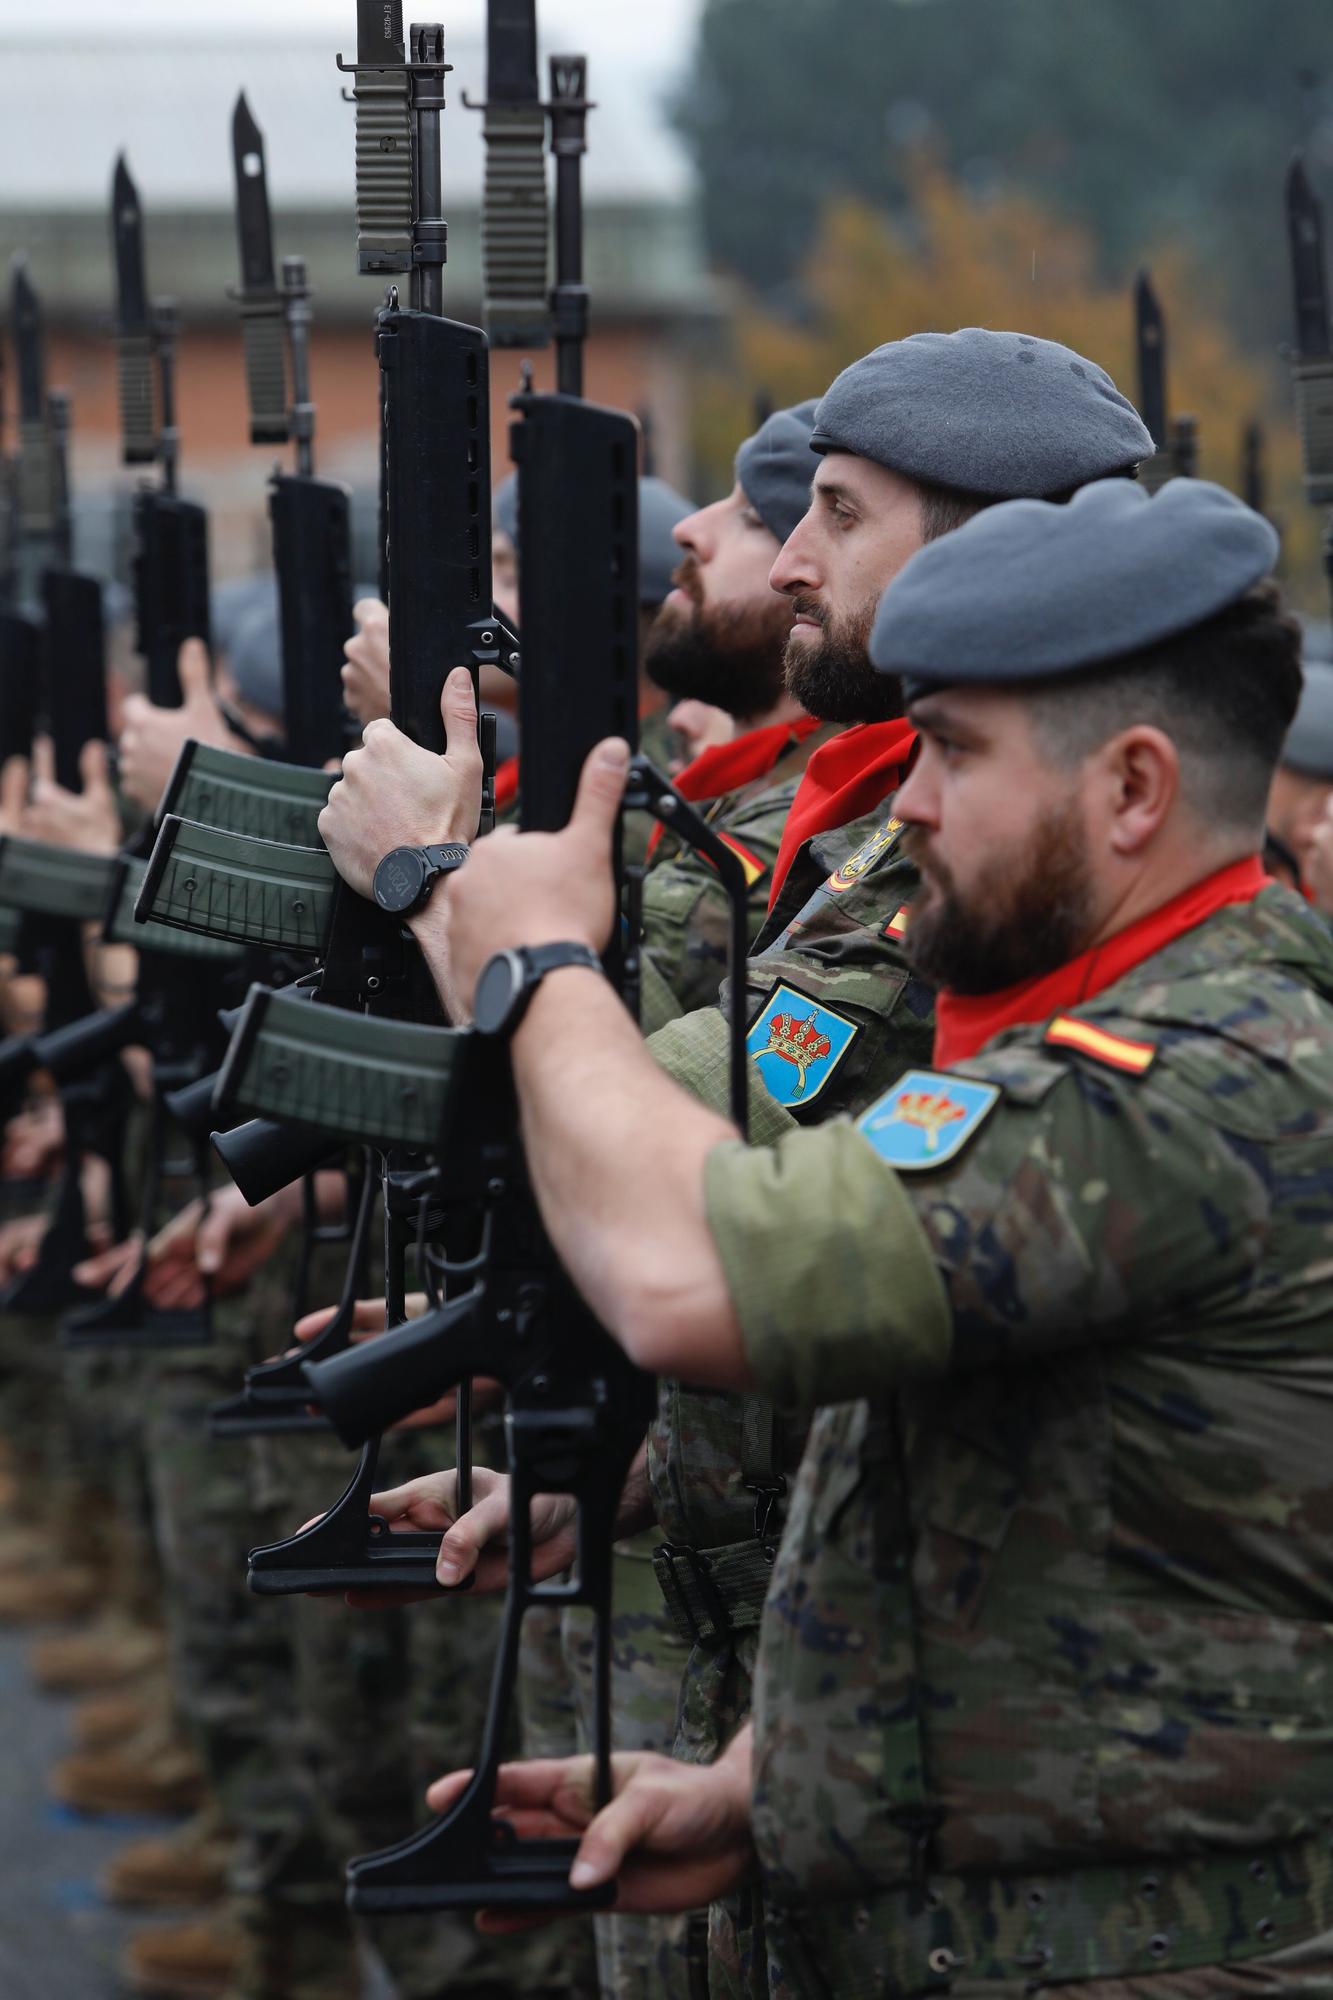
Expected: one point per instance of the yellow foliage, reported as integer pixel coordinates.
(961, 261)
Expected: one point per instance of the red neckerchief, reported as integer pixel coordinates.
(726, 767)
(845, 777)
(964, 1023)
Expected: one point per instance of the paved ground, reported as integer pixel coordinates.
(58, 1940)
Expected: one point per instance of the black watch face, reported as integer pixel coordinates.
(498, 987)
(400, 879)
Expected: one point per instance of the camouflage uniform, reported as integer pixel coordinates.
(719, 1464)
(1083, 1514)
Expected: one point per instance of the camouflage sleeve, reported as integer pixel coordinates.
(694, 1050)
(1088, 1208)
(687, 926)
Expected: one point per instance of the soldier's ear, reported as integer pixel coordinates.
(1140, 781)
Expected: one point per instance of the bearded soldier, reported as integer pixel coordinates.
(1044, 1676)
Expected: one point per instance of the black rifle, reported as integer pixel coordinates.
(1175, 439)
(1312, 357)
(1253, 471)
(173, 1013)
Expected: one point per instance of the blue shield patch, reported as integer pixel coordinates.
(796, 1044)
(927, 1118)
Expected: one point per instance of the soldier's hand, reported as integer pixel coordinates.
(110, 1270)
(34, 1140)
(13, 793)
(476, 1543)
(87, 820)
(221, 1243)
(674, 1836)
(365, 676)
(20, 1240)
(530, 888)
(1319, 863)
(151, 737)
(392, 793)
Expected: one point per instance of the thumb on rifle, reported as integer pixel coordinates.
(601, 787)
(94, 772)
(459, 712)
(192, 669)
(13, 789)
(43, 761)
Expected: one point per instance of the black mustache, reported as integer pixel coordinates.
(809, 607)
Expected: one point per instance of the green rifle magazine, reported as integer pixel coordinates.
(123, 927)
(232, 886)
(48, 881)
(250, 795)
(384, 1082)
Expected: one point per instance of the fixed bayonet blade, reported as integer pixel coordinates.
(1151, 342)
(511, 52)
(127, 239)
(379, 32)
(26, 322)
(1305, 230)
(254, 228)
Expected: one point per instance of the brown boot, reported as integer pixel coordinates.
(153, 1773)
(109, 1652)
(183, 1961)
(188, 1866)
(47, 1597)
(115, 1718)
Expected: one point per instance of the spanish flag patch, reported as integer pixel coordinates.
(896, 927)
(1117, 1051)
(753, 864)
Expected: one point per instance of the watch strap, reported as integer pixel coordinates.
(540, 959)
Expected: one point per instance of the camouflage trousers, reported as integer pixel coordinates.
(716, 1693)
(639, 1957)
(805, 1964)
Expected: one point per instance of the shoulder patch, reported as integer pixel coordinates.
(1117, 1051)
(896, 927)
(797, 1043)
(864, 857)
(927, 1118)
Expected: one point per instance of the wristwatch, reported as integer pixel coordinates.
(406, 875)
(510, 978)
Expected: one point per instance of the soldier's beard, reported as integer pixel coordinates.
(1023, 916)
(729, 657)
(833, 678)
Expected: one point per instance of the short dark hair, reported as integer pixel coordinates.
(1224, 691)
(944, 508)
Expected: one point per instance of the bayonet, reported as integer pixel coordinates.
(1312, 364)
(1151, 343)
(38, 477)
(514, 214)
(384, 166)
(260, 302)
(134, 326)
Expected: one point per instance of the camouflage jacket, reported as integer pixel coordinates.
(686, 912)
(835, 959)
(1060, 1584)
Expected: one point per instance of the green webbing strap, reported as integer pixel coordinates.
(713, 1594)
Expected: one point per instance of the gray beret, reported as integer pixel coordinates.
(1309, 744)
(1030, 588)
(254, 655)
(660, 507)
(775, 467)
(1000, 414)
(231, 603)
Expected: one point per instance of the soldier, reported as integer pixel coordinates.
(1044, 1674)
(1303, 782)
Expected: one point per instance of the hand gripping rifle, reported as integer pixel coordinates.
(1312, 354)
(1177, 452)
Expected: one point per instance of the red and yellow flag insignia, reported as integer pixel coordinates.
(1117, 1051)
(896, 927)
(753, 864)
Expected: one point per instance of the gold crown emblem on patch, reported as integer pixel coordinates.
(931, 1111)
(797, 1039)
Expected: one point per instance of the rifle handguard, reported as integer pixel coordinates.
(256, 796)
(1314, 420)
(233, 887)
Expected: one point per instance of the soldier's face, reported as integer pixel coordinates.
(719, 634)
(863, 524)
(1001, 837)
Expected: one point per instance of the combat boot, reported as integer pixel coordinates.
(115, 1718)
(188, 1866)
(111, 1651)
(183, 1961)
(154, 1772)
(46, 1596)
